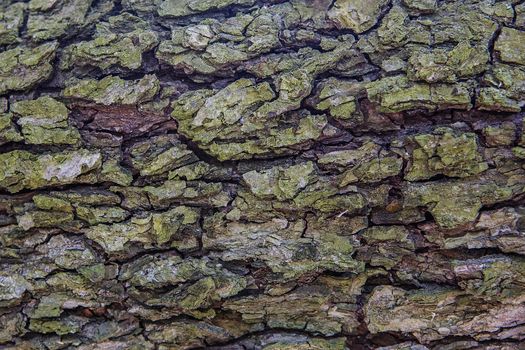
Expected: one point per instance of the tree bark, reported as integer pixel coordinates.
(262, 174)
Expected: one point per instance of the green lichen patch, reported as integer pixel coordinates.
(215, 122)
(45, 121)
(114, 238)
(309, 344)
(493, 99)
(23, 68)
(504, 91)
(101, 215)
(114, 90)
(455, 202)
(340, 99)
(511, 44)
(11, 19)
(111, 48)
(170, 226)
(196, 283)
(421, 6)
(159, 155)
(494, 229)
(50, 20)
(430, 322)
(441, 65)
(47, 202)
(12, 289)
(178, 191)
(390, 245)
(43, 219)
(455, 155)
(503, 135)
(367, 163)
(67, 325)
(175, 228)
(8, 130)
(280, 183)
(287, 311)
(356, 15)
(67, 252)
(25, 170)
(395, 94)
(275, 241)
(175, 8)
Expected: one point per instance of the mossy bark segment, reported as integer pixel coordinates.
(262, 174)
(22, 68)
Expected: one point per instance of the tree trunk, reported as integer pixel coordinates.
(262, 174)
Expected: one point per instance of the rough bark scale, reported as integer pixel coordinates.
(262, 174)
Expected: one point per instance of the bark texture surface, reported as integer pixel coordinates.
(262, 174)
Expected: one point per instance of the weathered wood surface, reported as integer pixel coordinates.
(262, 174)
